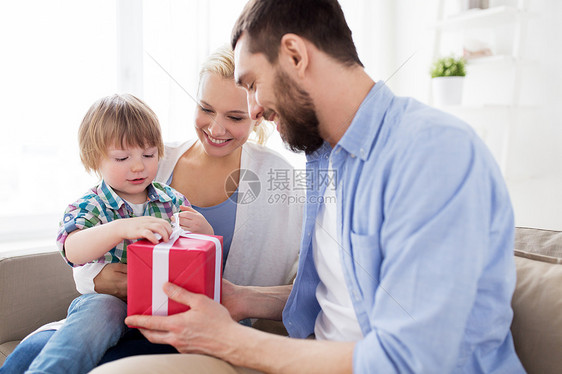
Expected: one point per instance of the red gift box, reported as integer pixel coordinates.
(193, 262)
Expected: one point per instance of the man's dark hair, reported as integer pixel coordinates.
(319, 21)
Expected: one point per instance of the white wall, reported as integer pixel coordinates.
(395, 40)
(535, 136)
(63, 56)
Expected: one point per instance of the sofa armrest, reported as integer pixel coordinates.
(34, 290)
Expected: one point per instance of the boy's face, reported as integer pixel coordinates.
(129, 171)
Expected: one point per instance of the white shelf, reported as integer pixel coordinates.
(494, 123)
(499, 60)
(486, 108)
(477, 18)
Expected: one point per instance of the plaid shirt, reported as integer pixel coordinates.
(101, 205)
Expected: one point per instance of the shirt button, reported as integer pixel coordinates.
(362, 152)
(338, 150)
(352, 155)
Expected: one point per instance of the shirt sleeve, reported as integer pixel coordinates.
(84, 213)
(180, 199)
(435, 245)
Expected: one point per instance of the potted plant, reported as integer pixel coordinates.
(447, 75)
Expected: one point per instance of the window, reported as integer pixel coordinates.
(58, 58)
(64, 55)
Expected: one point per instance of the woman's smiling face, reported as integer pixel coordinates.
(221, 120)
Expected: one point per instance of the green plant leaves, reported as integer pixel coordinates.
(448, 67)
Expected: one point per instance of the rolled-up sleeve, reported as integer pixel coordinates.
(84, 213)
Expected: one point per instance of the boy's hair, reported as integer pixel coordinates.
(221, 62)
(321, 22)
(117, 120)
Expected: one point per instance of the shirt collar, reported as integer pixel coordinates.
(114, 201)
(157, 192)
(108, 196)
(324, 149)
(360, 136)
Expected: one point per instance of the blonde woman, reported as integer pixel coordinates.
(246, 191)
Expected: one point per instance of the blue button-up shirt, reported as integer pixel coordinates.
(426, 234)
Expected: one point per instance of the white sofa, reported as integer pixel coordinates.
(36, 289)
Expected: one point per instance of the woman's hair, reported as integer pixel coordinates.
(117, 120)
(221, 62)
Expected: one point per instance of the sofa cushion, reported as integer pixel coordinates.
(537, 301)
(34, 290)
(538, 241)
(6, 349)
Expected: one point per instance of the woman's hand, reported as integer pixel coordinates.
(233, 300)
(254, 302)
(193, 221)
(112, 280)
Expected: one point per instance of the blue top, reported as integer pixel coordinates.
(426, 231)
(222, 218)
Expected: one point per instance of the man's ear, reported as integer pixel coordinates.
(293, 54)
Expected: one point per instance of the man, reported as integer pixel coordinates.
(410, 270)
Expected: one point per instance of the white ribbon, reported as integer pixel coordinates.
(161, 266)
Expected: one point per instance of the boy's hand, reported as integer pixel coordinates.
(192, 220)
(145, 227)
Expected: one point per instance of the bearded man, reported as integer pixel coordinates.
(406, 261)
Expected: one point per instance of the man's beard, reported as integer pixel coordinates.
(298, 123)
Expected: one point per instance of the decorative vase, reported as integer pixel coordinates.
(447, 90)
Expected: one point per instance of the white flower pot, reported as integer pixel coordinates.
(447, 90)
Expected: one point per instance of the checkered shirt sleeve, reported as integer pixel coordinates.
(101, 205)
(86, 212)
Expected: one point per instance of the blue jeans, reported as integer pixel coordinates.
(24, 354)
(94, 323)
(85, 341)
(131, 344)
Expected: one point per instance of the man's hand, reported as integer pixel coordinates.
(198, 330)
(112, 280)
(192, 220)
(207, 328)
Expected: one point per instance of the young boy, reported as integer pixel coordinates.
(120, 140)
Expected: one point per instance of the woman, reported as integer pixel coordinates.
(245, 191)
